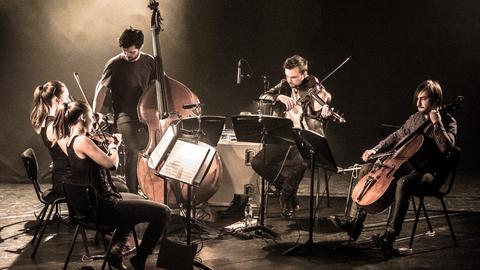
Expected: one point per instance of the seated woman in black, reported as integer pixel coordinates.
(74, 120)
(46, 99)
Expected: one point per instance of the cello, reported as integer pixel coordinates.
(375, 191)
(159, 107)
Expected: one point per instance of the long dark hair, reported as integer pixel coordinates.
(433, 90)
(42, 101)
(67, 115)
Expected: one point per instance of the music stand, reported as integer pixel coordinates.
(314, 147)
(188, 162)
(265, 130)
(211, 127)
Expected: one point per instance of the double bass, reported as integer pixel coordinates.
(375, 191)
(158, 108)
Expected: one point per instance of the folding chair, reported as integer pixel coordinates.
(49, 198)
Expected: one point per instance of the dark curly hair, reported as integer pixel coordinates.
(131, 36)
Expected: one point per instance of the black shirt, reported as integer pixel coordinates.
(85, 171)
(127, 81)
(61, 166)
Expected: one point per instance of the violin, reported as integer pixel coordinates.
(103, 139)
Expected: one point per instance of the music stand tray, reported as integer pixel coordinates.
(314, 147)
(211, 128)
(263, 129)
(308, 141)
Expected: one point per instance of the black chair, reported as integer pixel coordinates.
(82, 202)
(49, 198)
(452, 162)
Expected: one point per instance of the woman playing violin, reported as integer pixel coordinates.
(72, 122)
(439, 134)
(46, 99)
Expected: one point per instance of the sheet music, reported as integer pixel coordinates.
(160, 150)
(184, 161)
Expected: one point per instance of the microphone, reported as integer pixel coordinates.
(192, 105)
(239, 71)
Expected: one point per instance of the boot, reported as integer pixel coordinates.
(116, 258)
(286, 205)
(352, 226)
(138, 261)
(236, 208)
(385, 243)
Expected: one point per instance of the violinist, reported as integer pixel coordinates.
(127, 75)
(283, 165)
(46, 99)
(440, 135)
(72, 122)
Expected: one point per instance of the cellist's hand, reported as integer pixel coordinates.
(288, 101)
(435, 116)
(367, 154)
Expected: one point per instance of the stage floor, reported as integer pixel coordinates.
(220, 250)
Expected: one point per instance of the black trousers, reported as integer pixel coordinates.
(280, 165)
(405, 186)
(132, 209)
(134, 141)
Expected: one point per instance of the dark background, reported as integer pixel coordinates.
(393, 47)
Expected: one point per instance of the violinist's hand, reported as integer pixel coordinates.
(99, 117)
(435, 116)
(288, 101)
(326, 112)
(367, 154)
(118, 138)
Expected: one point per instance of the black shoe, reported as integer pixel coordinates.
(385, 243)
(295, 203)
(137, 263)
(236, 209)
(116, 259)
(353, 227)
(286, 206)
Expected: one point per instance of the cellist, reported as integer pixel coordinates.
(440, 135)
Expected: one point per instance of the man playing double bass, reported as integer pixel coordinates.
(439, 139)
(283, 165)
(127, 75)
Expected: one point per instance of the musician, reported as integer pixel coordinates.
(283, 165)
(439, 136)
(123, 210)
(127, 75)
(46, 99)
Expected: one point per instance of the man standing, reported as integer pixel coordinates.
(283, 165)
(439, 138)
(127, 75)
